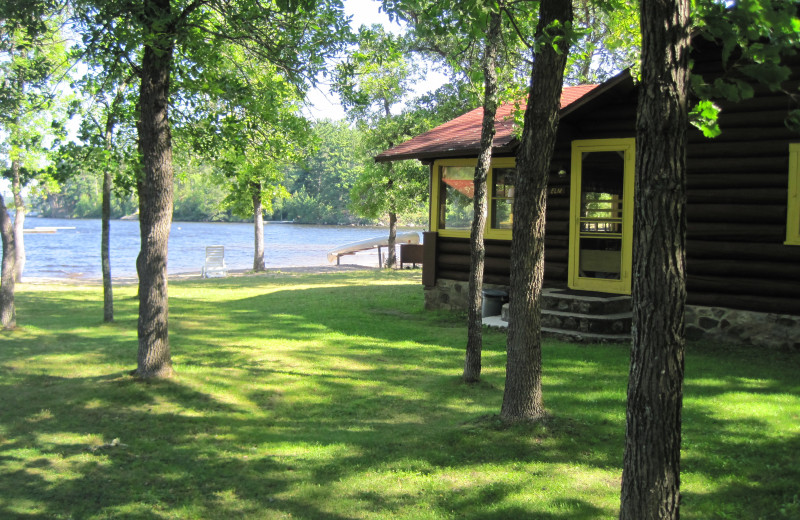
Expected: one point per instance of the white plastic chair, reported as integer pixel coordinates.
(215, 262)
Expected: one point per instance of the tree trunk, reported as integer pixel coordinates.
(391, 255)
(651, 465)
(105, 238)
(155, 198)
(522, 398)
(8, 313)
(258, 224)
(472, 362)
(19, 219)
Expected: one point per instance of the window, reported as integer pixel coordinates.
(502, 202)
(793, 205)
(457, 192)
(453, 194)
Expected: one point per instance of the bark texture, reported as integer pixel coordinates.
(258, 225)
(522, 398)
(105, 237)
(391, 255)
(472, 362)
(651, 466)
(155, 197)
(8, 313)
(19, 219)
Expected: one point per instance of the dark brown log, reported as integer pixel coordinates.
(727, 150)
(747, 134)
(752, 179)
(743, 119)
(743, 269)
(558, 227)
(770, 101)
(737, 214)
(558, 203)
(556, 241)
(555, 271)
(746, 302)
(461, 247)
(498, 265)
(775, 196)
(556, 216)
(738, 165)
(429, 241)
(496, 279)
(742, 232)
(731, 285)
(459, 276)
(744, 251)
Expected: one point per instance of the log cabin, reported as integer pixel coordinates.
(743, 210)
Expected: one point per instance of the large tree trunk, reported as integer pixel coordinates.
(8, 313)
(522, 398)
(19, 219)
(105, 238)
(155, 200)
(651, 465)
(258, 224)
(472, 362)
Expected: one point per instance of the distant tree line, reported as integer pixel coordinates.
(316, 189)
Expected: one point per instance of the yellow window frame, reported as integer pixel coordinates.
(793, 202)
(623, 285)
(436, 185)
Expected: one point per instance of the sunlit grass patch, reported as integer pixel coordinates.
(337, 396)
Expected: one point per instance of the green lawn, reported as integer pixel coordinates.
(336, 396)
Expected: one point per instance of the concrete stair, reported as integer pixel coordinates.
(580, 316)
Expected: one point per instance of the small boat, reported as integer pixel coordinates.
(410, 237)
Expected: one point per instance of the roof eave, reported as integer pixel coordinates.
(452, 153)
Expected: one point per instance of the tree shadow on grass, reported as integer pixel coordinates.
(353, 387)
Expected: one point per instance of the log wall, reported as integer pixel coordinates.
(737, 199)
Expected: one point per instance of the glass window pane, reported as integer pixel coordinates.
(457, 192)
(502, 198)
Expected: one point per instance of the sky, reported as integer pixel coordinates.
(322, 104)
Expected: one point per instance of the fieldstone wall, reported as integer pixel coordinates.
(452, 295)
(774, 331)
(718, 324)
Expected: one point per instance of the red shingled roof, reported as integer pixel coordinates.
(462, 135)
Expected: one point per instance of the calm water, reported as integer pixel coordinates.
(75, 253)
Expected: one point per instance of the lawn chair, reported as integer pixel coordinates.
(215, 262)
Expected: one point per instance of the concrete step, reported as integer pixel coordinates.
(572, 336)
(584, 302)
(569, 314)
(619, 323)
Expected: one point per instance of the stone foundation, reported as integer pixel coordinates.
(452, 295)
(717, 324)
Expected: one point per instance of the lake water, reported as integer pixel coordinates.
(75, 253)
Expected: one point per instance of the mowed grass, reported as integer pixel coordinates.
(336, 396)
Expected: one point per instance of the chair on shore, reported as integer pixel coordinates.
(215, 262)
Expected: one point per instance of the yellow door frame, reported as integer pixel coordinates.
(575, 281)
